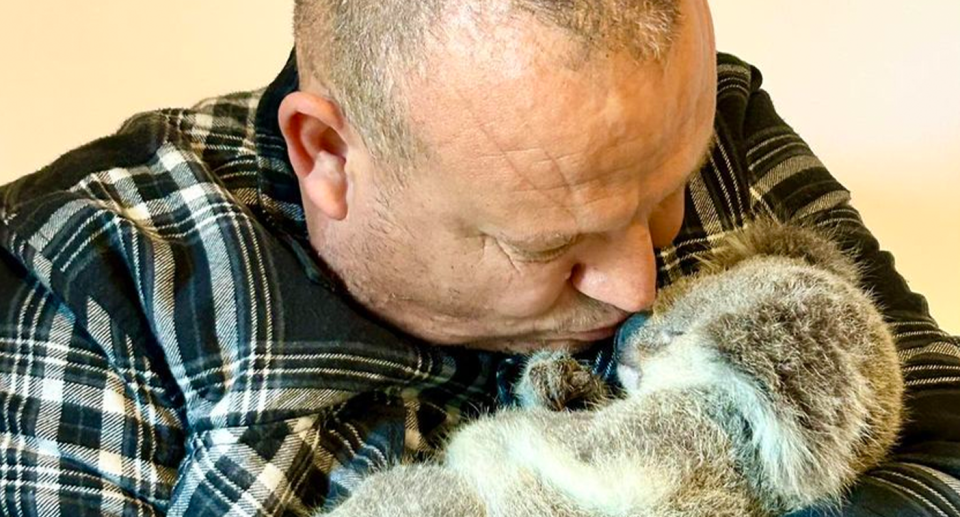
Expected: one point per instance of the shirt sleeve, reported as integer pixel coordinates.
(789, 183)
(81, 433)
(91, 428)
(91, 432)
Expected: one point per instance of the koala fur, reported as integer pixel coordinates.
(763, 384)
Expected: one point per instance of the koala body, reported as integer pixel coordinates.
(764, 384)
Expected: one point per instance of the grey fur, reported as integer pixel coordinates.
(763, 384)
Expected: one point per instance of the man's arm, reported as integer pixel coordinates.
(93, 423)
(80, 432)
(789, 183)
(85, 431)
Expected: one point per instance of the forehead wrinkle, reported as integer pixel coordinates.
(584, 205)
(576, 199)
(571, 181)
(606, 209)
(502, 152)
(575, 202)
(529, 181)
(526, 179)
(563, 184)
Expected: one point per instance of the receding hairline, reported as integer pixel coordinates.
(368, 82)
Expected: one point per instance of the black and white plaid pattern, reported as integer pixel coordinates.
(170, 345)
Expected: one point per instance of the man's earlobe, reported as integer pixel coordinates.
(326, 186)
(312, 127)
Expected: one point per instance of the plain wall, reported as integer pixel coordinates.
(871, 84)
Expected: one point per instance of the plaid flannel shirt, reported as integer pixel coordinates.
(169, 344)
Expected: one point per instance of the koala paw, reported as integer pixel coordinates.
(556, 381)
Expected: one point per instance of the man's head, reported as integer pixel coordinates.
(499, 174)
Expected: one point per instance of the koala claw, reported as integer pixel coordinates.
(556, 381)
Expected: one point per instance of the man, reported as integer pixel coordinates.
(244, 307)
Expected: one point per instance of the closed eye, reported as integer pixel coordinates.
(543, 256)
(526, 254)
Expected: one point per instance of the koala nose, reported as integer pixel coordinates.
(626, 345)
(627, 333)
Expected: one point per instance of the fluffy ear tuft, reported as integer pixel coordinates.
(772, 238)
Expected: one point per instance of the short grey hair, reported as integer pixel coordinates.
(357, 50)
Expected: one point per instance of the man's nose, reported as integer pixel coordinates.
(621, 272)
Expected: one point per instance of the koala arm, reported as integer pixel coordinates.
(790, 184)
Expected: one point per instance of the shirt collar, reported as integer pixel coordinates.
(278, 190)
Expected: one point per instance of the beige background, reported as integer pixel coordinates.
(873, 85)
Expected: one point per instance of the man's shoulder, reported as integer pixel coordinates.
(737, 82)
(163, 177)
(731, 67)
(207, 137)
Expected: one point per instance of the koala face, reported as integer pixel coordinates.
(670, 351)
(684, 344)
(666, 360)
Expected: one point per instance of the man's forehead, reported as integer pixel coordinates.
(552, 128)
(594, 208)
(568, 138)
(530, 138)
(511, 94)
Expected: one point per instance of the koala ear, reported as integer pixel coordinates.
(772, 238)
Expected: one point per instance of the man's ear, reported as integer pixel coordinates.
(314, 130)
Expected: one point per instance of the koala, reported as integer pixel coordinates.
(763, 384)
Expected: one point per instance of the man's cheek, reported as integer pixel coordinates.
(526, 294)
